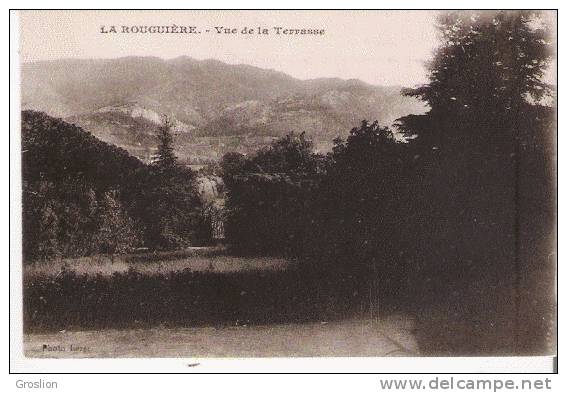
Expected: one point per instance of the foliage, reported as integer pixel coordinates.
(172, 207)
(488, 63)
(166, 158)
(269, 196)
(183, 298)
(362, 205)
(83, 196)
(173, 202)
(484, 182)
(116, 232)
(464, 206)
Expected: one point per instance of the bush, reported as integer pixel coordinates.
(270, 195)
(132, 299)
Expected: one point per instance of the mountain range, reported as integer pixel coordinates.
(216, 107)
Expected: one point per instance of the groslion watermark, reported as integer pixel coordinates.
(37, 384)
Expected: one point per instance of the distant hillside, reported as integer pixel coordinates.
(218, 107)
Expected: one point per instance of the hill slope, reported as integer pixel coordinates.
(217, 106)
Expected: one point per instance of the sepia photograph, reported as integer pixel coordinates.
(287, 184)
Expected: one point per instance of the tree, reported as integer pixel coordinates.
(166, 157)
(47, 243)
(116, 232)
(292, 154)
(482, 178)
(65, 172)
(362, 206)
(231, 164)
(171, 204)
(488, 65)
(269, 196)
(83, 196)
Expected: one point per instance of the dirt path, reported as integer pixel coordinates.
(391, 337)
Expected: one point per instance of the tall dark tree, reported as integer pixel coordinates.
(484, 182)
(171, 202)
(488, 65)
(166, 158)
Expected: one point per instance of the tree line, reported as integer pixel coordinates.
(82, 196)
(457, 214)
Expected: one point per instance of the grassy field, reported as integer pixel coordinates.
(194, 287)
(196, 259)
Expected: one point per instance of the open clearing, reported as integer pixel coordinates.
(390, 337)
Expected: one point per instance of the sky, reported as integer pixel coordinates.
(378, 47)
